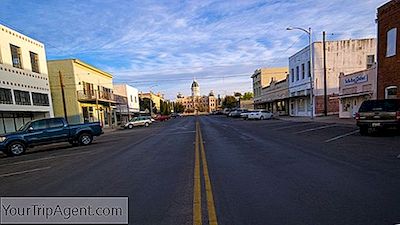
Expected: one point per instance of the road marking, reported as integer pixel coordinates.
(212, 216)
(197, 188)
(317, 128)
(295, 125)
(24, 171)
(341, 136)
(183, 132)
(45, 158)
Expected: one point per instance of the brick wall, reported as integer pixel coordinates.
(388, 68)
(333, 105)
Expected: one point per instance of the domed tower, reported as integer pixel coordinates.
(195, 89)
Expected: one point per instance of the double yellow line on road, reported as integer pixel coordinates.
(200, 154)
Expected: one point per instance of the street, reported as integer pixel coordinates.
(251, 172)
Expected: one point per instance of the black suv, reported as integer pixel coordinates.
(378, 114)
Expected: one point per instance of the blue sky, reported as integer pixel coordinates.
(168, 43)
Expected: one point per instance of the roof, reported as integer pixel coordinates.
(195, 84)
(81, 63)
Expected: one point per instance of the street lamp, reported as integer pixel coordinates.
(309, 33)
(151, 100)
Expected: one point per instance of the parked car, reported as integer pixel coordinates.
(46, 131)
(260, 115)
(162, 118)
(378, 114)
(226, 111)
(138, 121)
(236, 113)
(245, 115)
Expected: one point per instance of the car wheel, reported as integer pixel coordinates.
(15, 148)
(130, 126)
(85, 139)
(146, 124)
(364, 131)
(262, 118)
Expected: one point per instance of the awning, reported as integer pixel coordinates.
(352, 95)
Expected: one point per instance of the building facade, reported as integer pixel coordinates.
(156, 98)
(127, 102)
(276, 96)
(88, 92)
(197, 103)
(389, 50)
(261, 78)
(344, 56)
(24, 83)
(355, 88)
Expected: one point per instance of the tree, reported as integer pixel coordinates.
(145, 104)
(179, 107)
(247, 96)
(229, 102)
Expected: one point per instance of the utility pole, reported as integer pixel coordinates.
(325, 78)
(63, 95)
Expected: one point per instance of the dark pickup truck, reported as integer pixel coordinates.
(46, 131)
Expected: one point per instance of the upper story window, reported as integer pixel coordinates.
(22, 97)
(135, 99)
(303, 72)
(16, 56)
(5, 96)
(309, 68)
(391, 38)
(131, 98)
(297, 73)
(370, 61)
(40, 99)
(34, 62)
(292, 75)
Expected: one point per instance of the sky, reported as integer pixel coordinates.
(163, 45)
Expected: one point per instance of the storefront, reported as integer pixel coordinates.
(354, 89)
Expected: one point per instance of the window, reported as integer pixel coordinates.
(5, 96)
(391, 38)
(22, 97)
(16, 56)
(297, 73)
(56, 123)
(38, 125)
(131, 98)
(40, 99)
(292, 75)
(135, 99)
(303, 72)
(370, 61)
(391, 92)
(34, 62)
(309, 68)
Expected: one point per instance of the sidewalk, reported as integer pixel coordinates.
(108, 130)
(319, 119)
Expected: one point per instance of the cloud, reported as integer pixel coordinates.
(169, 43)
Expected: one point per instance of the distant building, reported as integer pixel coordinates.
(196, 102)
(24, 84)
(344, 56)
(88, 94)
(275, 96)
(261, 78)
(156, 98)
(127, 98)
(389, 50)
(355, 88)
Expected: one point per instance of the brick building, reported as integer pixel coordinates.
(389, 50)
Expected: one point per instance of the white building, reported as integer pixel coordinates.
(128, 105)
(24, 84)
(345, 56)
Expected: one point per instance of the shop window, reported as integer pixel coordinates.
(22, 97)
(391, 92)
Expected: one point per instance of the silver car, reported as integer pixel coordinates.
(138, 121)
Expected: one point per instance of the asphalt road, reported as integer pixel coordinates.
(256, 172)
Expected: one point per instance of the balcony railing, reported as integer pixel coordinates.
(91, 95)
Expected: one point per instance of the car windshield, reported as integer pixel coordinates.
(388, 105)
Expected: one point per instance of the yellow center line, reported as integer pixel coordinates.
(200, 152)
(212, 216)
(197, 187)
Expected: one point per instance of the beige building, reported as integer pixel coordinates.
(155, 98)
(275, 96)
(24, 84)
(197, 103)
(354, 88)
(261, 78)
(88, 92)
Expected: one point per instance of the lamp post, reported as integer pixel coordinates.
(309, 33)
